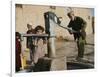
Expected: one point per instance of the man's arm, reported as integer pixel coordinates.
(70, 26)
(82, 31)
(83, 23)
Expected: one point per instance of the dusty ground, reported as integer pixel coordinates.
(69, 49)
(66, 52)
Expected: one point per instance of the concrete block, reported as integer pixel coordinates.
(58, 64)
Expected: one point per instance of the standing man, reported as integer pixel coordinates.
(29, 43)
(78, 24)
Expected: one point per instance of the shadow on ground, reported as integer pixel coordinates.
(42, 65)
(77, 65)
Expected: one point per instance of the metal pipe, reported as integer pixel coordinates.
(34, 35)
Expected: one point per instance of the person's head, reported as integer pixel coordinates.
(39, 29)
(18, 35)
(71, 15)
(29, 26)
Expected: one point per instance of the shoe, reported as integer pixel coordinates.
(82, 59)
(79, 59)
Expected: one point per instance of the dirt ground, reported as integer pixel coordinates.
(69, 49)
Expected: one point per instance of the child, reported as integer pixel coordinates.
(18, 51)
(39, 45)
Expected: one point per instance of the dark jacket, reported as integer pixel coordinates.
(78, 24)
(29, 39)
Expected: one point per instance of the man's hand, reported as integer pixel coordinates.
(70, 31)
(83, 33)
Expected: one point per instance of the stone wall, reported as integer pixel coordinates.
(35, 14)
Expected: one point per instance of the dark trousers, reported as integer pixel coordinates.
(81, 48)
(81, 40)
(32, 49)
(80, 45)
